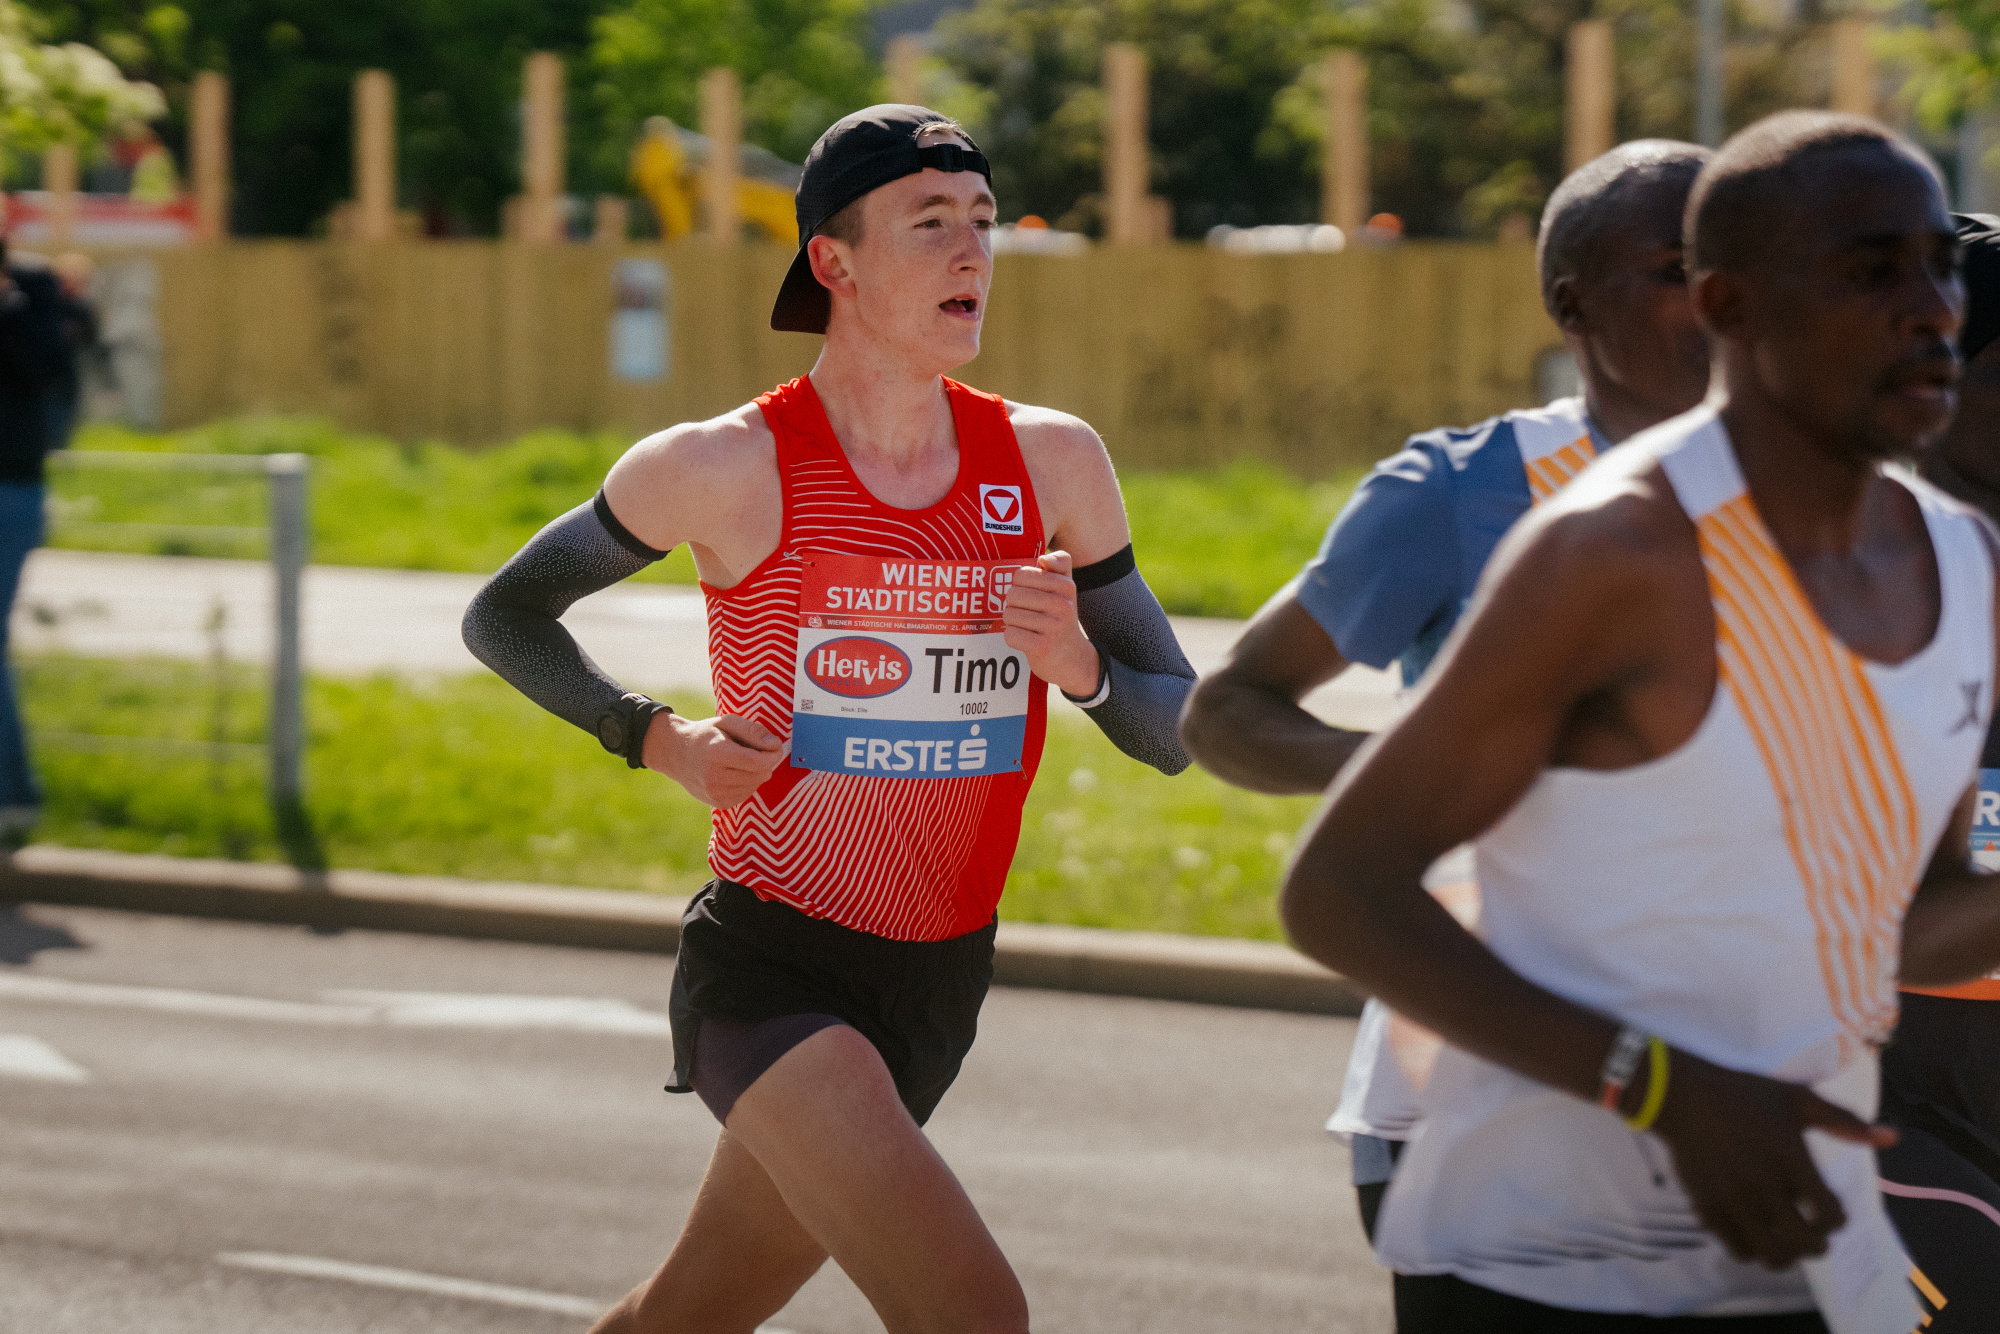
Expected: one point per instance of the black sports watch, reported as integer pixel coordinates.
(621, 729)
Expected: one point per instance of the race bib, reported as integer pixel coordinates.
(1986, 822)
(903, 669)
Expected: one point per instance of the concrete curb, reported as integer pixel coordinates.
(1249, 973)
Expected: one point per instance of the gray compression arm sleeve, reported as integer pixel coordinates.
(514, 625)
(1147, 675)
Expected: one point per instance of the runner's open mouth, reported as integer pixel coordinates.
(960, 305)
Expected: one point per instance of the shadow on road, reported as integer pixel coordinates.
(299, 837)
(22, 938)
(297, 834)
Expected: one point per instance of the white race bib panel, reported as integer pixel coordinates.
(1986, 822)
(903, 669)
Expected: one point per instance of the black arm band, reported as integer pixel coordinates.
(619, 532)
(1107, 571)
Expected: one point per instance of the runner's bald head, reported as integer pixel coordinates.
(1602, 198)
(1772, 175)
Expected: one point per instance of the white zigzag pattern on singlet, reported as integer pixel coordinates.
(842, 846)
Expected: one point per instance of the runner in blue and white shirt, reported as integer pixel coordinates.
(1401, 561)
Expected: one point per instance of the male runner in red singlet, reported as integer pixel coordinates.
(1401, 561)
(1706, 722)
(1941, 1072)
(894, 565)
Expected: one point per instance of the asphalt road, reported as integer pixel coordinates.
(356, 621)
(207, 1127)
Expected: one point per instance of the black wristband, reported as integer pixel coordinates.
(622, 728)
(1098, 693)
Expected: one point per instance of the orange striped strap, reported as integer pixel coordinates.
(1982, 989)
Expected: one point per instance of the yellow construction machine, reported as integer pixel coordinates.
(667, 167)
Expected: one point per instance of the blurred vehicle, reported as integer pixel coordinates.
(667, 166)
(1278, 239)
(1033, 236)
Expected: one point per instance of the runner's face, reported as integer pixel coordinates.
(1972, 445)
(1847, 330)
(925, 261)
(1637, 313)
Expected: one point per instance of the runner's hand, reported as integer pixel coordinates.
(721, 761)
(1739, 1145)
(1042, 624)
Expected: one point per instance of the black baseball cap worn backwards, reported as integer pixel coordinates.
(859, 153)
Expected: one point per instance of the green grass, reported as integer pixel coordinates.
(1211, 544)
(461, 776)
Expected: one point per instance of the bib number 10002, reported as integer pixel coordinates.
(904, 671)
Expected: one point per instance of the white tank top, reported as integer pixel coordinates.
(1741, 897)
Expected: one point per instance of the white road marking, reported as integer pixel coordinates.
(31, 1058)
(409, 1280)
(167, 1000)
(431, 1009)
(405, 1009)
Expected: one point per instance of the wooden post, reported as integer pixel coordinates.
(374, 156)
(1126, 166)
(1591, 80)
(1853, 67)
(542, 148)
(59, 179)
(1343, 173)
(208, 144)
(906, 69)
(613, 222)
(722, 122)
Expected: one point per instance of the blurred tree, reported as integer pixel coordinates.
(804, 64)
(68, 93)
(291, 63)
(1953, 61)
(1465, 99)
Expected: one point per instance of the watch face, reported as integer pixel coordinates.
(611, 732)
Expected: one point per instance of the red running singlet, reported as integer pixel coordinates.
(905, 858)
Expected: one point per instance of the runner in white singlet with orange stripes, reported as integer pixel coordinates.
(1401, 561)
(1705, 723)
(896, 567)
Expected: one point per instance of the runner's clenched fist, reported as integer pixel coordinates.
(1042, 625)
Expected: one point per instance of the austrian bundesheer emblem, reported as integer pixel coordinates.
(1000, 509)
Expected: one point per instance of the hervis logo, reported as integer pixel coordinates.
(1000, 509)
(858, 667)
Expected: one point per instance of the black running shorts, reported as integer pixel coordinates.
(1442, 1304)
(1941, 1182)
(746, 961)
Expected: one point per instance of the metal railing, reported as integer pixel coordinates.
(286, 537)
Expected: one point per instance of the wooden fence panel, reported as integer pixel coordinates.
(1181, 356)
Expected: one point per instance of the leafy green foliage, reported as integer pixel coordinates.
(463, 776)
(1465, 102)
(803, 64)
(1953, 62)
(69, 93)
(457, 65)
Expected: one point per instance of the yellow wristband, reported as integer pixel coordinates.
(1656, 1087)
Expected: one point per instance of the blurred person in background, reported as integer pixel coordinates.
(1399, 564)
(1941, 1072)
(32, 354)
(78, 316)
